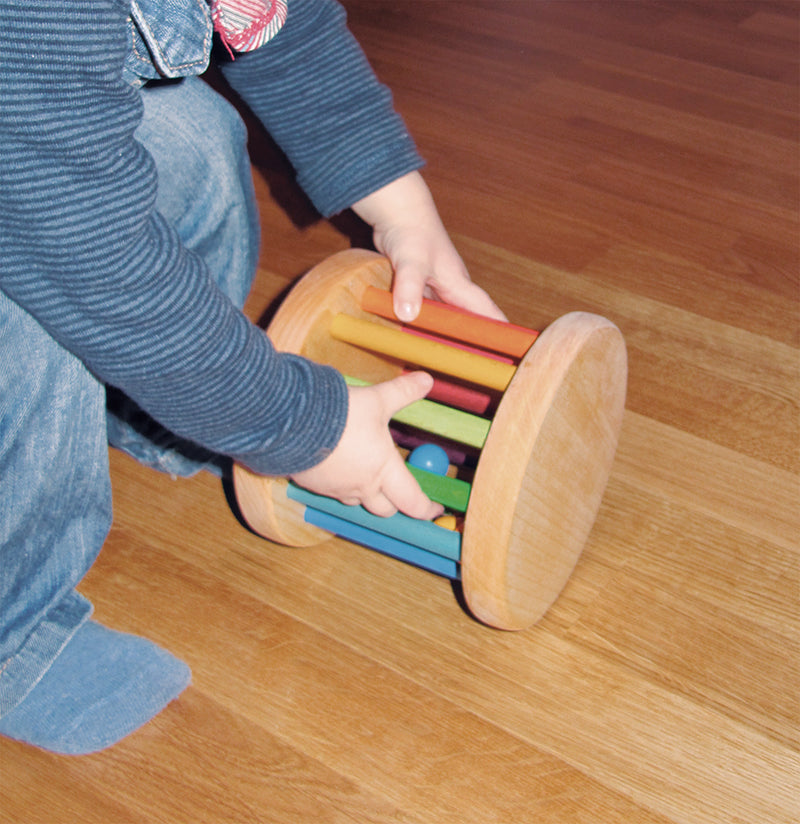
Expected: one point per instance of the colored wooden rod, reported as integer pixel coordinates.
(456, 323)
(476, 350)
(452, 493)
(424, 353)
(383, 543)
(422, 534)
(462, 397)
(438, 419)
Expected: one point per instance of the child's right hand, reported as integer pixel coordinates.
(365, 467)
(408, 231)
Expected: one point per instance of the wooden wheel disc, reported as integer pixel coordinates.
(300, 327)
(543, 470)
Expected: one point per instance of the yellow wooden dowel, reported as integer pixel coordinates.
(426, 354)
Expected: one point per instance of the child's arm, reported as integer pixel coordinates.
(312, 88)
(316, 94)
(409, 231)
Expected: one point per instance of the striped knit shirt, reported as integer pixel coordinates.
(83, 250)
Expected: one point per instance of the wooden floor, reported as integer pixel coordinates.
(635, 159)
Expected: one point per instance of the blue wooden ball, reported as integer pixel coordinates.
(430, 457)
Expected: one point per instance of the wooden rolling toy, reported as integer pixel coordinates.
(529, 421)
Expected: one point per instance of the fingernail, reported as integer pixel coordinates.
(406, 311)
(426, 380)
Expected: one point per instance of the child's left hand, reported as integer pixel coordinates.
(408, 230)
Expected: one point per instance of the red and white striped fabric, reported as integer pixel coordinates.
(245, 25)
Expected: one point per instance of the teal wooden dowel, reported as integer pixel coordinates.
(424, 534)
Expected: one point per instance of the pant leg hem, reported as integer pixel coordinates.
(20, 673)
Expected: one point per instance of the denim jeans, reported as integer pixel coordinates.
(167, 38)
(55, 505)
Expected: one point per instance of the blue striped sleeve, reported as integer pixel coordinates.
(318, 97)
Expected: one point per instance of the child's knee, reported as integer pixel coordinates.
(199, 144)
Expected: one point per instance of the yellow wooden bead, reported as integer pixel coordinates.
(446, 521)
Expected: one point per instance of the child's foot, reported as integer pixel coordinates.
(103, 686)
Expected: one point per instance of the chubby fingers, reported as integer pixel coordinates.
(378, 504)
(401, 391)
(398, 488)
(412, 282)
(472, 298)
(409, 286)
(365, 468)
(399, 491)
(402, 491)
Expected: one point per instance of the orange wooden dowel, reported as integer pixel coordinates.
(456, 323)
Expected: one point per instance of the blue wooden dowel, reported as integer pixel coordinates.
(383, 543)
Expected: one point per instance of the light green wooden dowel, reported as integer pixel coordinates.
(438, 419)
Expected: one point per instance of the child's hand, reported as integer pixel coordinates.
(409, 231)
(365, 467)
